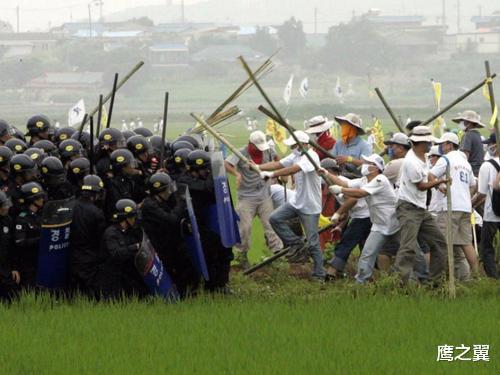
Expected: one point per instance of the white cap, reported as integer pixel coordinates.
(258, 138)
(398, 139)
(302, 137)
(375, 159)
(434, 151)
(448, 137)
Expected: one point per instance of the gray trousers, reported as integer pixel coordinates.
(417, 222)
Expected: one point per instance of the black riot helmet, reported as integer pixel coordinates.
(180, 157)
(92, 184)
(53, 171)
(122, 158)
(36, 154)
(30, 192)
(70, 149)
(177, 145)
(84, 140)
(198, 159)
(22, 163)
(127, 134)
(79, 167)
(5, 131)
(145, 132)
(49, 147)
(16, 133)
(37, 124)
(124, 209)
(5, 156)
(16, 145)
(156, 144)
(188, 138)
(138, 144)
(160, 182)
(63, 134)
(111, 137)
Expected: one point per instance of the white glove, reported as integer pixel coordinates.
(335, 189)
(265, 175)
(335, 218)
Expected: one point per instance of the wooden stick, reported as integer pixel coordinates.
(99, 115)
(458, 100)
(164, 130)
(492, 101)
(91, 151)
(389, 110)
(112, 102)
(449, 236)
(219, 137)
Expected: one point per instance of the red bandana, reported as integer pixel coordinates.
(256, 155)
(326, 141)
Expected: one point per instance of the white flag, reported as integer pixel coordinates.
(287, 94)
(338, 91)
(304, 87)
(76, 113)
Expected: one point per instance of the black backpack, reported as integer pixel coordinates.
(495, 194)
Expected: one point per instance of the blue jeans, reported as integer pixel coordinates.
(373, 245)
(279, 221)
(355, 234)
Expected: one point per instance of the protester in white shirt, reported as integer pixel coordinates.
(488, 181)
(463, 181)
(305, 203)
(416, 221)
(381, 200)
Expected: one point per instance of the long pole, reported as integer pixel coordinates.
(164, 130)
(112, 102)
(492, 101)
(99, 115)
(223, 140)
(449, 239)
(91, 151)
(389, 109)
(458, 100)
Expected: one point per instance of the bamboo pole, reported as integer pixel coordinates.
(449, 236)
(389, 110)
(112, 102)
(164, 130)
(458, 100)
(91, 145)
(492, 100)
(219, 137)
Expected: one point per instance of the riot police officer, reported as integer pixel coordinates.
(178, 167)
(127, 181)
(87, 228)
(27, 227)
(17, 146)
(164, 219)
(141, 148)
(117, 276)
(70, 150)
(9, 275)
(201, 185)
(54, 178)
(49, 147)
(38, 128)
(78, 169)
(5, 132)
(63, 134)
(110, 140)
(22, 171)
(5, 156)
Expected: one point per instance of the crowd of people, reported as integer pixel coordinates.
(124, 189)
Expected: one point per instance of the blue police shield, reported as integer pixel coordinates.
(193, 240)
(53, 252)
(222, 216)
(151, 269)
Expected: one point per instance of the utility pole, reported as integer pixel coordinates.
(17, 16)
(443, 17)
(315, 20)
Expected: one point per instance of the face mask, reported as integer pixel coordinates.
(461, 125)
(390, 153)
(365, 171)
(296, 151)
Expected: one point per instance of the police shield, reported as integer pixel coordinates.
(151, 269)
(193, 240)
(223, 218)
(53, 252)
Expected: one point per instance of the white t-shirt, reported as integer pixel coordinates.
(278, 195)
(438, 202)
(487, 177)
(413, 171)
(307, 198)
(462, 179)
(360, 209)
(381, 202)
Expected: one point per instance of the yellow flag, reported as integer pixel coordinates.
(104, 117)
(437, 93)
(438, 126)
(378, 134)
(486, 92)
(278, 133)
(494, 116)
(334, 131)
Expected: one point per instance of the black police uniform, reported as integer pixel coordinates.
(87, 228)
(63, 190)
(8, 287)
(122, 186)
(162, 223)
(117, 274)
(27, 227)
(217, 257)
